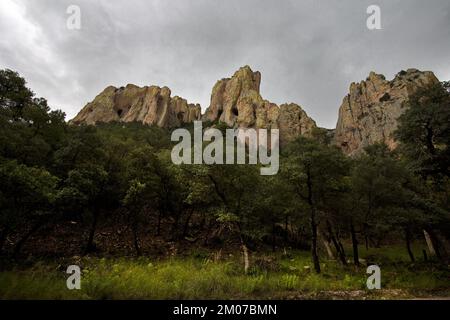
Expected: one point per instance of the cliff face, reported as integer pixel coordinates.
(237, 102)
(149, 105)
(369, 112)
(234, 100)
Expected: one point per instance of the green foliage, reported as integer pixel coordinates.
(26, 194)
(29, 131)
(424, 131)
(326, 167)
(424, 134)
(14, 95)
(121, 175)
(198, 278)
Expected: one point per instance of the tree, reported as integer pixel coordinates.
(314, 170)
(424, 135)
(169, 194)
(14, 95)
(29, 131)
(195, 195)
(27, 195)
(83, 147)
(424, 132)
(142, 194)
(134, 201)
(277, 207)
(377, 186)
(87, 183)
(235, 187)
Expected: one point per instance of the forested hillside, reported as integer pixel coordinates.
(112, 191)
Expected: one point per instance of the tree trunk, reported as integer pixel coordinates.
(430, 244)
(90, 243)
(337, 246)
(186, 224)
(273, 237)
(354, 245)
(246, 258)
(158, 229)
(208, 232)
(244, 252)
(136, 239)
(408, 244)
(341, 246)
(366, 238)
(286, 232)
(175, 233)
(326, 244)
(315, 256)
(437, 244)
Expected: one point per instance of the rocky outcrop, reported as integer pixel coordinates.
(369, 112)
(294, 122)
(149, 105)
(237, 102)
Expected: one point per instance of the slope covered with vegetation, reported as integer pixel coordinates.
(104, 195)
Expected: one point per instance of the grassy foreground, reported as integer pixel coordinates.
(273, 276)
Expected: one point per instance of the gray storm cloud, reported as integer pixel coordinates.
(307, 51)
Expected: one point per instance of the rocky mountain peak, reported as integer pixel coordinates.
(237, 102)
(233, 99)
(369, 113)
(149, 105)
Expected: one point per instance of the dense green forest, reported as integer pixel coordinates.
(112, 191)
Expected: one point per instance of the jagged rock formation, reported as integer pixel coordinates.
(149, 105)
(294, 122)
(237, 102)
(369, 112)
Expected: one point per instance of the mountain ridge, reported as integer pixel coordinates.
(368, 113)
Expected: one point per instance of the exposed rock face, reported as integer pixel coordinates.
(237, 102)
(234, 101)
(149, 105)
(293, 122)
(369, 113)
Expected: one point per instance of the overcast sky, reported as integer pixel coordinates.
(307, 51)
